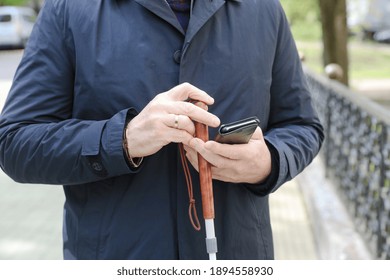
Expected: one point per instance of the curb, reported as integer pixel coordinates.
(335, 235)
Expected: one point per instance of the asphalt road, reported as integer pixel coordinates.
(9, 60)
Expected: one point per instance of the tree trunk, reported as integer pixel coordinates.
(335, 34)
(36, 5)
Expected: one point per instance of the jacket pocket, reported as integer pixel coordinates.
(90, 220)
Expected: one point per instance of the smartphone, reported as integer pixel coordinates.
(238, 132)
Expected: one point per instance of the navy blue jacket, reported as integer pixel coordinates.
(90, 62)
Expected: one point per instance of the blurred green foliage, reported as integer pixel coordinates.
(302, 10)
(303, 16)
(12, 2)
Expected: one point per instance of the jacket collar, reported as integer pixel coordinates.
(161, 9)
(202, 11)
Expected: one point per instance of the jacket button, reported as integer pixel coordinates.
(177, 56)
(97, 166)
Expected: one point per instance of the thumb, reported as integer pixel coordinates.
(258, 134)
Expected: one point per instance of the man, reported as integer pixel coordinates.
(99, 103)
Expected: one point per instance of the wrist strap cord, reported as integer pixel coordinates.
(192, 208)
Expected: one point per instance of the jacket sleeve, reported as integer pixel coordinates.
(294, 130)
(40, 142)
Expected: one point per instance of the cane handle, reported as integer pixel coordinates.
(205, 175)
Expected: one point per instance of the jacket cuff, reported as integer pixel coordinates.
(266, 186)
(112, 154)
(131, 113)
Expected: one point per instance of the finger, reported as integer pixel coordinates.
(179, 122)
(224, 175)
(209, 155)
(186, 91)
(192, 156)
(192, 111)
(258, 134)
(176, 136)
(230, 151)
(188, 149)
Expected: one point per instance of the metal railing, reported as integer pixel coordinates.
(356, 152)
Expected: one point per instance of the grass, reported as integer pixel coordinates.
(366, 60)
(369, 60)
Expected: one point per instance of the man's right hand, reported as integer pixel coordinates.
(168, 118)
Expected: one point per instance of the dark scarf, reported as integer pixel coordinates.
(182, 10)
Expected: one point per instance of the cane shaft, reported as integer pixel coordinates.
(205, 176)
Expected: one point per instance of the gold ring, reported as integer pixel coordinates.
(176, 121)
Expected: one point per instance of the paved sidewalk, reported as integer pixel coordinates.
(376, 89)
(5, 85)
(293, 235)
(30, 221)
(334, 229)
